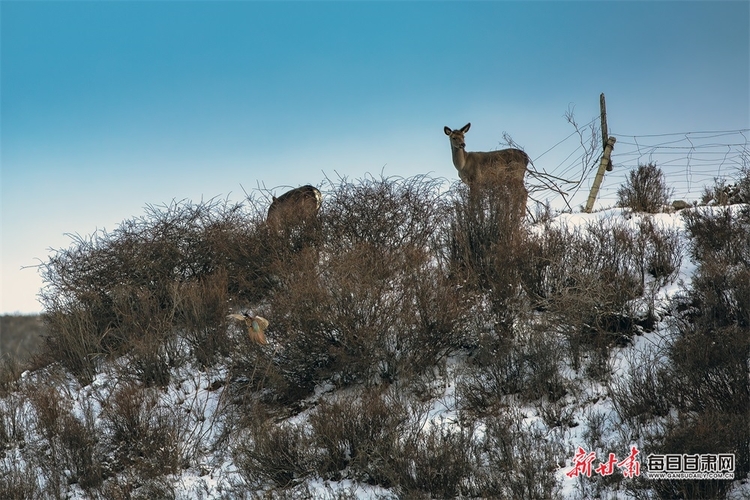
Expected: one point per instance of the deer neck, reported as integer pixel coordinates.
(459, 158)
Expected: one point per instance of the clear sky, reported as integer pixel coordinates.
(109, 106)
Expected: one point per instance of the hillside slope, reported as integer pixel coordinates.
(419, 346)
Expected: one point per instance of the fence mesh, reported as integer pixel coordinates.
(690, 161)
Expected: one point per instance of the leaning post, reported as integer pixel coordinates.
(600, 173)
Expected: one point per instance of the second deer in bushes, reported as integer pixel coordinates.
(505, 167)
(299, 204)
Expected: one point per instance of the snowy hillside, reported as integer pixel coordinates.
(396, 365)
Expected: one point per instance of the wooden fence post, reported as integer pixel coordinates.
(608, 143)
(605, 132)
(600, 174)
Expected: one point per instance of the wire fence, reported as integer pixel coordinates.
(690, 161)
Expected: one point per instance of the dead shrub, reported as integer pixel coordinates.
(13, 430)
(588, 280)
(73, 340)
(719, 235)
(710, 386)
(49, 408)
(658, 252)
(703, 433)
(272, 453)
(365, 299)
(513, 462)
(149, 362)
(714, 364)
(368, 304)
(441, 319)
(499, 372)
(486, 244)
(378, 439)
(643, 393)
(71, 454)
(434, 461)
(348, 319)
(701, 381)
(202, 308)
(81, 456)
(358, 433)
(378, 237)
(386, 213)
(645, 190)
(144, 435)
(18, 481)
(528, 367)
(133, 487)
(300, 332)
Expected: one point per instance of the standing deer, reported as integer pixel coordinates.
(298, 204)
(505, 167)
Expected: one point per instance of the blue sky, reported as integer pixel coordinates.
(109, 106)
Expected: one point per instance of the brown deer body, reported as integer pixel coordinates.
(506, 167)
(298, 204)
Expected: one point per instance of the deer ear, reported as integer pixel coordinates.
(466, 128)
(447, 130)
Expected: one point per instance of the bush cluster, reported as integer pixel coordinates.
(596, 284)
(172, 269)
(120, 446)
(364, 301)
(378, 438)
(377, 291)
